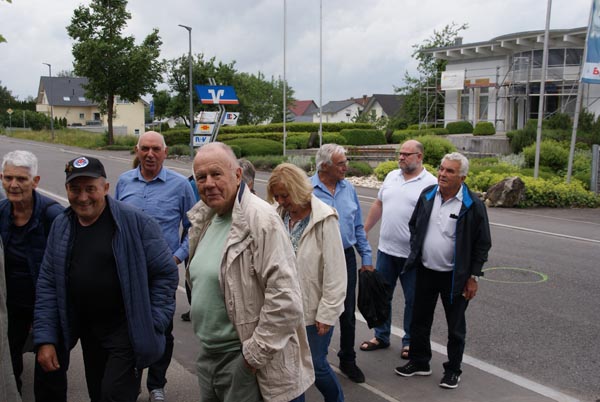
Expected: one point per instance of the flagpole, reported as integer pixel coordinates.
(538, 140)
(578, 104)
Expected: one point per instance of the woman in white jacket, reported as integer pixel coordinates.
(315, 236)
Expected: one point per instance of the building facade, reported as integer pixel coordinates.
(499, 80)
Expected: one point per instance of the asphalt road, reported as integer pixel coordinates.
(536, 315)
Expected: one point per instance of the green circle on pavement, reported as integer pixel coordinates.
(513, 275)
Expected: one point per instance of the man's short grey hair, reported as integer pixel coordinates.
(325, 154)
(464, 162)
(24, 159)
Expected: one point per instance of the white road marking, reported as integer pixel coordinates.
(496, 371)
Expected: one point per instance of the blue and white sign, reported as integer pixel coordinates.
(591, 67)
(217, 95)
(152, 109)
(200, 140)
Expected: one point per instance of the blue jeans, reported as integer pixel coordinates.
(325, 379)
(348, 319)
(390, 268)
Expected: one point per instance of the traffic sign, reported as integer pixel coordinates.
(200, 140)
(9, 111)
(217, 95)
(204, 128)
(231, 119)
(207, 117)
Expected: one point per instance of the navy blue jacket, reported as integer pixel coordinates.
(146, 270)
(473, 239)
(45, 210)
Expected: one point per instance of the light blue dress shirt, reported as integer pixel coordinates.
(166, 198)
(345, 202)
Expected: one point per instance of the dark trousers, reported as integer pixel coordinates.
(157, 372)
(109, 363)
(348, 319)
(47, 386)
(429, 285)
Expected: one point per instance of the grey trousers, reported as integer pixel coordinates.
(224, 377)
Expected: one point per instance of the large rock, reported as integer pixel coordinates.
(508, 193)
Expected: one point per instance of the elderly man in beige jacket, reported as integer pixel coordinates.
(246, 301)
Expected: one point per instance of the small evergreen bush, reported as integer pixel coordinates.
(484, 128)
(382, 170)
(552, 155)
(359, 168)
(435, 149)
(459, 127)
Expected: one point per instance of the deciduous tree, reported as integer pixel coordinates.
(113, 63)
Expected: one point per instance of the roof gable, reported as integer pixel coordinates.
(389, 103)
(64, 91)
(300, 107)
(335, 106)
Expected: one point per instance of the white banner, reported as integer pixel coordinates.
(591, 67)
(453, 80)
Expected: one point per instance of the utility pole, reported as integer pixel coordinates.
(189, 29)
(49, 102)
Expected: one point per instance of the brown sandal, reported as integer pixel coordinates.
(368, 346)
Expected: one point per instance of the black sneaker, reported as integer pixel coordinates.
(185, 316)
(411, 368)
(450, 380)
(352, 372)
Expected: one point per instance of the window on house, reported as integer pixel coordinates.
(574, 57)
(81, 116)
(556, 57)
(538, 57)
(67, 98)
(483, 103)
(464, 105)
(81, 99)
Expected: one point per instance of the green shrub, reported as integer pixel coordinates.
(294, 127)
(334, 138)
(382, 170)
(297, 141)
(257, 146)
(484, 128)
(435, 148)
(359, 168)
(552, 155)
(179, 149)
(399, 136)
(265, 162)
(459, 127)
(177, 136)
(363, 136)
(237, 150)
(560, 121)
(556, 193)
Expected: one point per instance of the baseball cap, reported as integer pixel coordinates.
(84, 166)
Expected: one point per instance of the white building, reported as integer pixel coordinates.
(499, 80)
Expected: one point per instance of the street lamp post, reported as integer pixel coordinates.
(189, 29)
(48, 97)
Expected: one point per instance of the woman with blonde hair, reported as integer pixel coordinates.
(314, 232)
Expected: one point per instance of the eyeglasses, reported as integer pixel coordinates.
(407, 154)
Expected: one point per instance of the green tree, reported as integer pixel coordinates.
(418, 106)
(161, 99)
(113, 64)
(2, 39)
(6, 98)
(261, 100)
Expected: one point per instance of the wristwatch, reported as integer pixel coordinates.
(475, 277)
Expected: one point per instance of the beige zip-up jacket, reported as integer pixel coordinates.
(262, 295)
(321, 265)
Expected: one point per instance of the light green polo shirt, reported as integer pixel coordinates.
(209, 315)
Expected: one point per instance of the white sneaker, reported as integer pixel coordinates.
(157, 395)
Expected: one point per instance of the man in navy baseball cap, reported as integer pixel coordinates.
(84, 166)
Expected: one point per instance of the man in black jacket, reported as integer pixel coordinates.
(450, 240)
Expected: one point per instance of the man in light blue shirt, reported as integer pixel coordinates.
(330, 187)
(166, 196)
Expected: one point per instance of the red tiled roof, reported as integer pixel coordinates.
(299, 107)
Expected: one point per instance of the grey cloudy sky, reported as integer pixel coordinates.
(366, 44)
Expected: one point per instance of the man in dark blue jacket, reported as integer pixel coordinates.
(25, 220)
(449, 243)
(108, 279)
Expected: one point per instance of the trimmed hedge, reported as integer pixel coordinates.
(435, 149)
(552, 154)
(364, 137)
(359, 168)
(399, 136)
(382, 170)
(177, 136)
(256, 146)
(484, 128)
(294, 127)
(459, 127)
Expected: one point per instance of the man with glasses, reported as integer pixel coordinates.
(120, 294)
(394, 205)
(330, 186)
